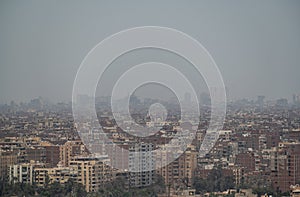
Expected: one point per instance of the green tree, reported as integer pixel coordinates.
(215, 182)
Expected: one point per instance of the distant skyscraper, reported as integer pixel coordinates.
(296, 99)
(260, 100)
(205, 98)
(282, 102)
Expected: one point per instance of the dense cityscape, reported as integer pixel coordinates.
(257, 152)
(152, 98)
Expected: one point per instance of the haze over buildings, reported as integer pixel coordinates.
(255, 44)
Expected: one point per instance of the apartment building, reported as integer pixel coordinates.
(180, 172)
(60, 174)
(285, 165)
(91, 171)
(23, 173)
(70, 149)
(141, 164)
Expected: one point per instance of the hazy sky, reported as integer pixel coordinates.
(256, 44)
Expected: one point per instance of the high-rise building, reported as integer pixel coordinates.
(260, 100)
(141, 164)
(296, 99)
(285, 166)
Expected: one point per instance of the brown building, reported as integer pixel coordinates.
(285, 166)
(246, 161)
(52, 155)
(7, 158)
(36, 153)
(180, 172)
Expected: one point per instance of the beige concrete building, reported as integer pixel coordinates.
(70, 149)
(295, 190)
(58, 174)
(23, 173)
(91, 172)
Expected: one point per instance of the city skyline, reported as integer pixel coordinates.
(150, 98)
